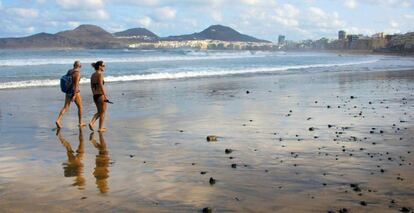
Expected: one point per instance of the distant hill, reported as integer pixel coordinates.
(40, 40)
(92, 36)
(137, 32)
(217, 32)
(87, 32)
(84, 36)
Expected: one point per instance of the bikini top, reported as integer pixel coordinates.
(95, 85)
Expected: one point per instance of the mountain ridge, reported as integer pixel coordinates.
(93, 36)
(217, 32)
(137, 32)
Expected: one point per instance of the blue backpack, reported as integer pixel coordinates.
(66, 83)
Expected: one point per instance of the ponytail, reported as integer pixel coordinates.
(97, 64)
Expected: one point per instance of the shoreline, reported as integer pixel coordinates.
(84, 81)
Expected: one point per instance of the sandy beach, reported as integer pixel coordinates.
(312, 142)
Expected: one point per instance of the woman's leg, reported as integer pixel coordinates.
(102, 110)
(62, 111)
(96, 116)
(78, 102)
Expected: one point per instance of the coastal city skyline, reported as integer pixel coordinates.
(297, 20)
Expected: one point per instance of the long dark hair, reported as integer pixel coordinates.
(97, 64)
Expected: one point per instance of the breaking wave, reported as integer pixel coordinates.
(177, 75)
(185, 56)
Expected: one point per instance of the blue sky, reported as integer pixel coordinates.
(266, 19)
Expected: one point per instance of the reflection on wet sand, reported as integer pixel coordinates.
(74, 166)
(101, 171)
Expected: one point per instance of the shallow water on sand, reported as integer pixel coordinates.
(291, 152)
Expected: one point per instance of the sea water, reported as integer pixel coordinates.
(44, 67)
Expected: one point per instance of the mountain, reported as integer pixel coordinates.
(136, 32)
(84, 36)
(40, 40)
(87, 32)
(93, 37)
(217, 32)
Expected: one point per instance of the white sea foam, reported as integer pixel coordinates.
(177, 75)
(188, 56)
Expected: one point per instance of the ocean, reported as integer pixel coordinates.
(40, 68)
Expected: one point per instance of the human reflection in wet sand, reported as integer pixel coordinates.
(101, 171)
(74, 166)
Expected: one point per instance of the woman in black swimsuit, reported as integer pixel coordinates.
(99, 95)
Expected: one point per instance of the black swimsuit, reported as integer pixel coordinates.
(96, 97)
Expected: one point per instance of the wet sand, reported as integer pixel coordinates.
(295, 143)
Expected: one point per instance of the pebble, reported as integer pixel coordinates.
(207, 210)
(355, 187)
(212, 181)
(343, 210)
(404, 209)
(228, 151)
(211, 138)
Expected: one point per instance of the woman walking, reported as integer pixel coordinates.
(99, 95)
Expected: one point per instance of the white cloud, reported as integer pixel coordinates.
(102, 14)
(164, 13)
(357, 30)
(317, 13)
(409, 16)
(145, 21)
(394, 24)
(286, 15)
(216, 15)
(136, 3)
(80, 4)
(29, 29)
(190, 22)
(25, 13)
(251, 2)
(322, 19)
(73, 24)
(287, 10)
(351, 4)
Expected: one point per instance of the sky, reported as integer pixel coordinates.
(265, 19)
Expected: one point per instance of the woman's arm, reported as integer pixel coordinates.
(101, 80)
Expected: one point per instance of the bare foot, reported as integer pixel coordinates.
(58, 125)
(82, 125)
(102, 130)
(91, 127)
(57, 131)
